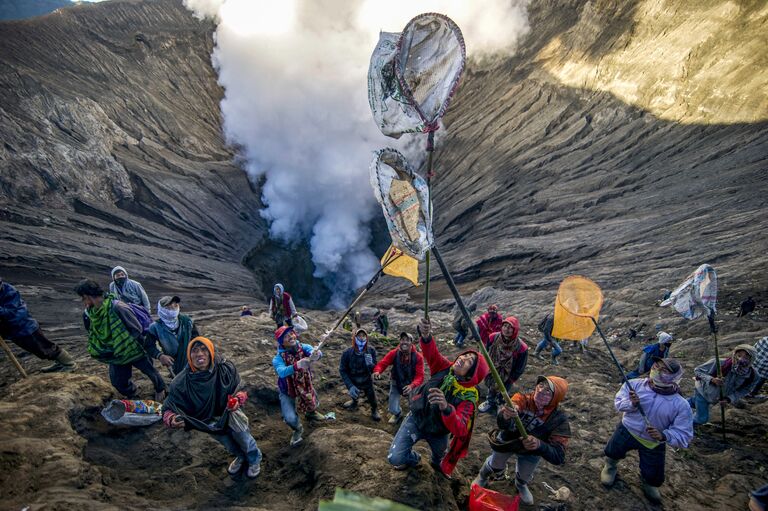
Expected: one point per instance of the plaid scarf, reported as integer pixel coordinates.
(300, 383)
(451, 387)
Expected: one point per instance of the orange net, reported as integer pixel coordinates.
(578, 302)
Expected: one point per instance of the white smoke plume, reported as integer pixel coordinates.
(294, 74)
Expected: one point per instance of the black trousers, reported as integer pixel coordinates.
(39, 345)
(120, 375)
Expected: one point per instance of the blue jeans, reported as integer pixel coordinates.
(459, 339)
(240, 444)
(701, 408)
(556, 349)
(394, 399)
(288, 410)
(401, 450)
(651, 460)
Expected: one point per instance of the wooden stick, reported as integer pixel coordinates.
(13, 358)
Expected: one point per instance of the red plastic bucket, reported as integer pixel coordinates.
(481, 499)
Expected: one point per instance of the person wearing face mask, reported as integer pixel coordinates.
(658, 349)
(669, 422)
(292, 364)
(172, 331)
(441, 408)
(281, 307)
(407, 373)
(509, 353)
(355, 368)
(489, 323)
(548, 434)
(128, 290)
(206, 396)
(738, 379)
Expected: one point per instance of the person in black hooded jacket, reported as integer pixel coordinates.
(356, 367)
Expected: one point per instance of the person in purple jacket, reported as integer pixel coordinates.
(669, 421)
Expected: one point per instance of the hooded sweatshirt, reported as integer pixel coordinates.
(409, 373)
(131, 291)
(281, 306)
(200, 397)
(551, 426)
(735, 386)
(458, 418)
(353, 369)
(487, 325)
(15, 321)
(510, 356)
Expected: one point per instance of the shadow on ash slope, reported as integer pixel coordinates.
(58, 453)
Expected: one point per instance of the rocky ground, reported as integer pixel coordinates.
(59, 453)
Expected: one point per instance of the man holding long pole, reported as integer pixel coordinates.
(445, 406)
(667, 421)
(736, 379)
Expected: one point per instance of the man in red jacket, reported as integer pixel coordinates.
(489, 323)
(407, 373)
(442, 407)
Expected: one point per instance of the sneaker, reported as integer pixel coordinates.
(296, 436)
(375, 415)
(525, 494)
(315, 416)
(555, 362)
(485, 407)
(608, 474)
(652, 493)
(352, 403)
(394, 419)
(235, 467)
(538, 355)
(253, 471)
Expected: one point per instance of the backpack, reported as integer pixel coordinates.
(543, 324)
(142, 315)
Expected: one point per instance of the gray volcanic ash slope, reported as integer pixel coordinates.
(625, 141)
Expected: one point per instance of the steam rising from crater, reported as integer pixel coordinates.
(294, 74)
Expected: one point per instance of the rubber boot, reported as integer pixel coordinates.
(63, 363)
(296, 437)
(486, 475)
(652, 493)
(525, 494)
(608, 474)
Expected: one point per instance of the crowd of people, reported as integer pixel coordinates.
(206, 392)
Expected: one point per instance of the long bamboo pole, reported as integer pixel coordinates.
(476, 336)
(12, 357)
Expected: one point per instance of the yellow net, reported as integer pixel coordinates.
(578, 301)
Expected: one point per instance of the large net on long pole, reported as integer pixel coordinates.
(404, 199)
(414, 74)
(577, 308)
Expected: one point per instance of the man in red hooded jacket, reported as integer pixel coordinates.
(548, 434)
(442, 407)
(509, 354)
(489, 323)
